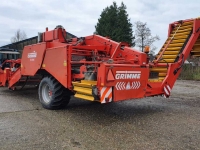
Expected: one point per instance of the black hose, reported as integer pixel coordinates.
(164, 61)
(64, 36)
(23, 84)
(177, 69)
(81, 39)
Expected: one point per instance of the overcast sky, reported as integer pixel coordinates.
(80, 16)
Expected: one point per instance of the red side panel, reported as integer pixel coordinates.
(55, 62)
(15, 78)
(128, 82)
(48, 35)
(56, 34)
(2, 77)
(32, 58)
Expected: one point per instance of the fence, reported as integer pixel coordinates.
(190, 72)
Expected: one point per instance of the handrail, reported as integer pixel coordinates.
(166, 46)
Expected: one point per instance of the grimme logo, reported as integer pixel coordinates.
(128, 75)
(32, 55)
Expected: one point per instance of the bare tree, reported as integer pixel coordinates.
(144, 37)
(19, 36)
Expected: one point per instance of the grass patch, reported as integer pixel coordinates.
(190, 72)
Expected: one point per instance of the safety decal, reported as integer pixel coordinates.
(167, 91)
(106, 94)
(128, 85)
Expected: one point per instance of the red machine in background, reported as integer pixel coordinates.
(96, 68)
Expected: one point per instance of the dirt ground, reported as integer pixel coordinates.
(144, 124)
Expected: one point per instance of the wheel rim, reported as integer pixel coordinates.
(46, 93)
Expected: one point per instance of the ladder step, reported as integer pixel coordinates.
(158, 69)
(172, 48)
(155, 80)
(169, 53)
(83, 90)
(177, 41)
(162, 74)
(196, 48)
(89, 82)
(161, 78)
(82, 84)
(195, 51)
(175, 45)
(169, 56)
(181, 34)
(86, 97)
(183, 30)
(184, 27)
(176, 37)
(198, 40)
(85, 83)
(188, 23)
(196, 55)
(166, 61)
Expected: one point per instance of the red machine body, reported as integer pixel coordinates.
(98, 69)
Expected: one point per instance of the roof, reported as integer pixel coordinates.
(28, 42)
(9, 52)
(7, 49)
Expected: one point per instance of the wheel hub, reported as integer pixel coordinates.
(46, 93)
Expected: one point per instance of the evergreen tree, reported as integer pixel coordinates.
(124, 31)
(114, 23)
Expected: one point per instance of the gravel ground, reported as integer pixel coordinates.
(144, 124)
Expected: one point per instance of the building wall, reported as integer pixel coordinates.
(20, 45)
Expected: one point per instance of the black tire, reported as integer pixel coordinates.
(52, 94)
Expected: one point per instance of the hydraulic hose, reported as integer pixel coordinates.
(177, 69)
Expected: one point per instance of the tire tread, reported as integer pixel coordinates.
(60, 95)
